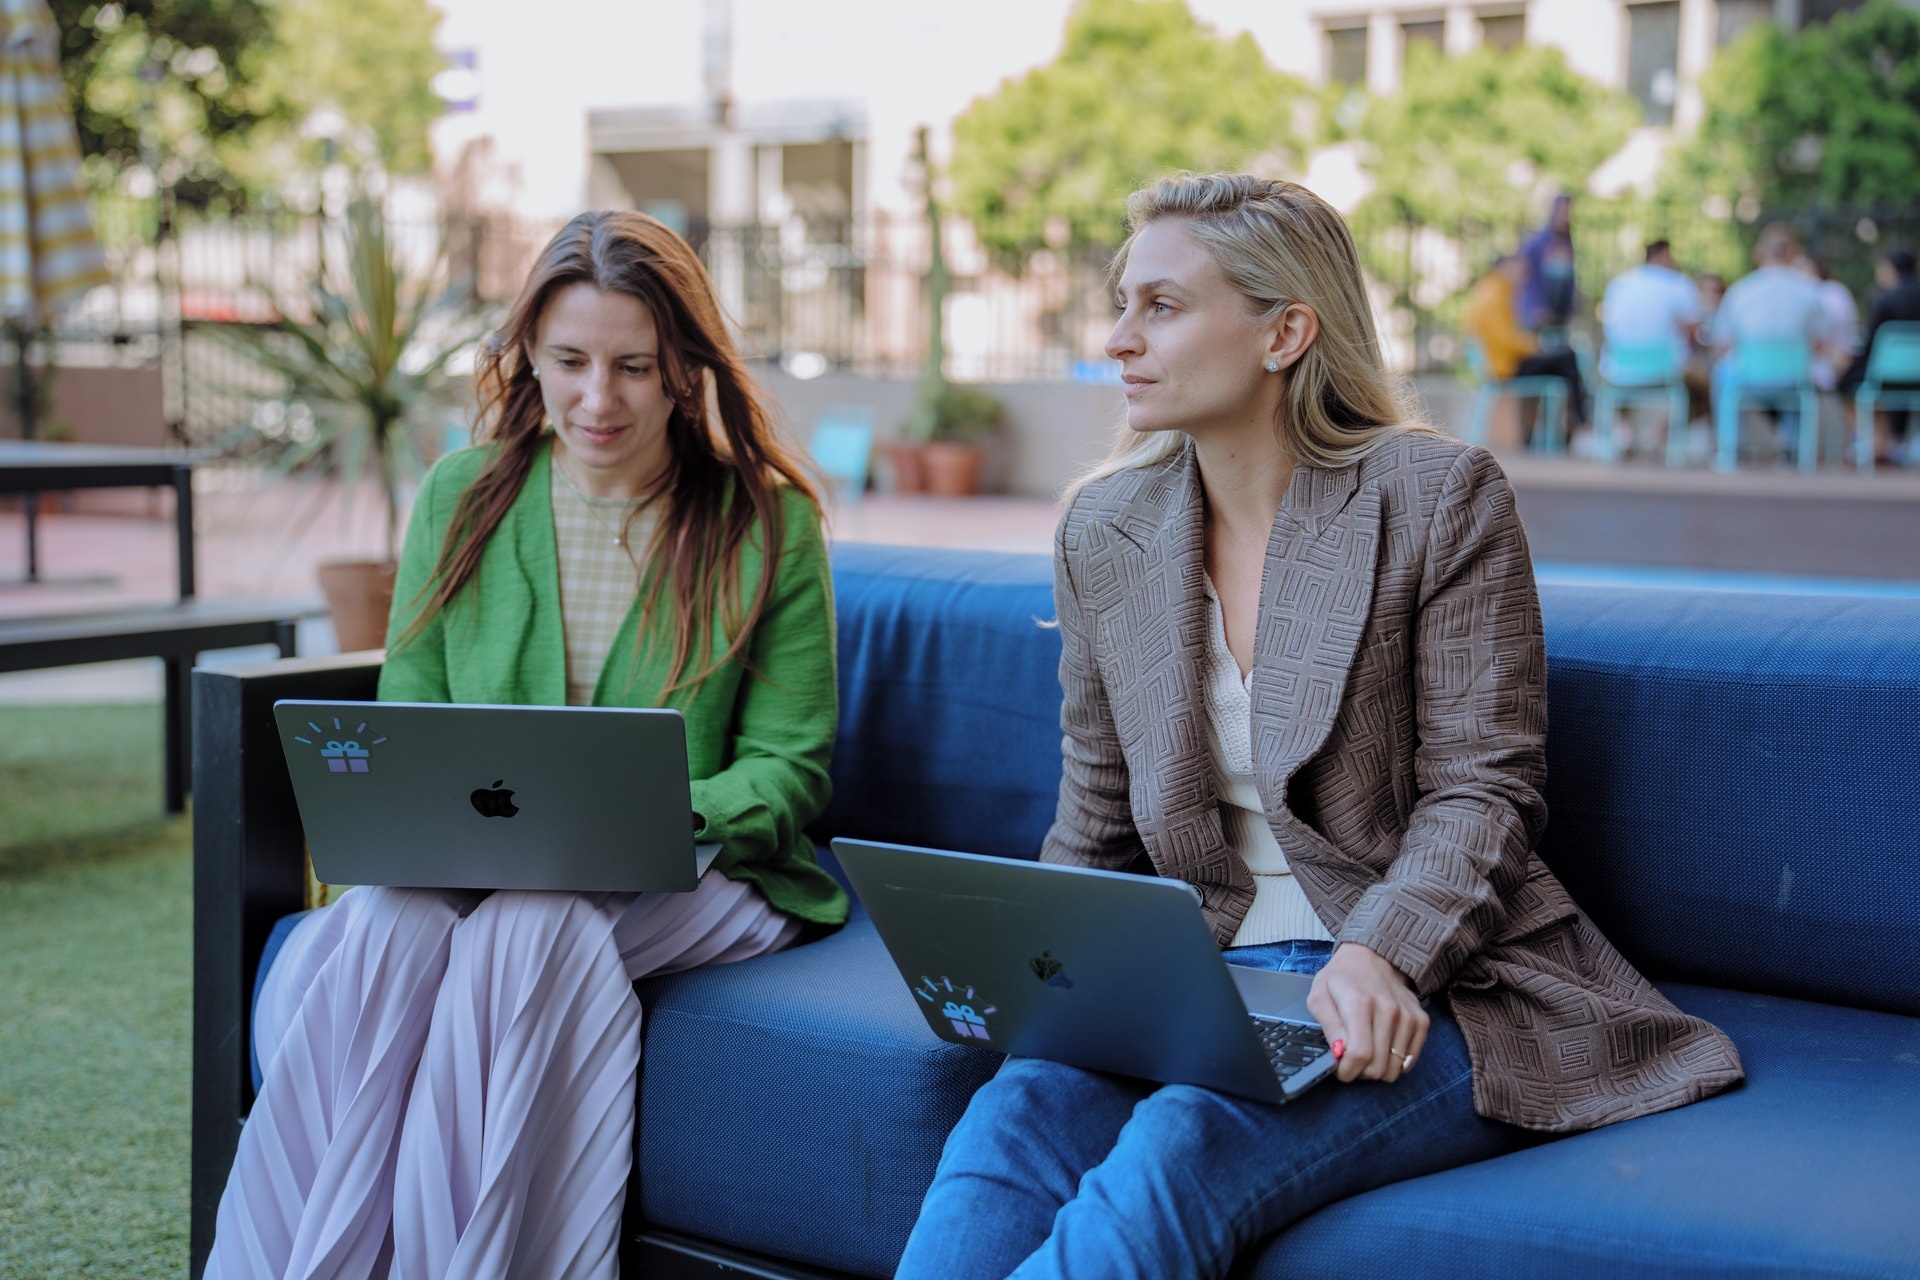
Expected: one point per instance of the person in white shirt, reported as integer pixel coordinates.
(1648, 305)
(1842, 322)
(1771, 303)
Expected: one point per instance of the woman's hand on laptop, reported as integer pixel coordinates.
(1363, 1001)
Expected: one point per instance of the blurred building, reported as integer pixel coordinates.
(1656, 50)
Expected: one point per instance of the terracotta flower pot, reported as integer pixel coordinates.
(953, 468)
(908, 460)
(359, 596)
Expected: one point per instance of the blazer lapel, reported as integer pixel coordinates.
(1315, 601)
(541, 676)
(1158, 637)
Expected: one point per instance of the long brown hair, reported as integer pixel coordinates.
(726, 464)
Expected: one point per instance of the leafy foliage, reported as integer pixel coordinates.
(372, 61)
(213, 94)
(1479, 137)
(1831, 113)
(367, 357)
(1139, 89)
(163, 81)
(963, 412)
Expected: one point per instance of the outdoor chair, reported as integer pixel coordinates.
(1895, 359)
(1549, 391)
(1773, 375)
(842, 448)
(1633, 373)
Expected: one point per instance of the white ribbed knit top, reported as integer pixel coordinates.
(1280, 910)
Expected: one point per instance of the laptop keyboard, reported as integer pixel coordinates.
(1289, 1046)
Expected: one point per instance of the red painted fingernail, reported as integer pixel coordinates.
(1339, 1048)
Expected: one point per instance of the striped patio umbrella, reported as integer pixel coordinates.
(48, 256)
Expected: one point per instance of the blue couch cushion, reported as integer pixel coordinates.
(949, 699)
(796, 1104)
(1702, 807)
(1807, 1170)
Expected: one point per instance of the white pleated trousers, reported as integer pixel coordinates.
(449, 1080)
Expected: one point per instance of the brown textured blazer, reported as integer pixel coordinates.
(1399, 730)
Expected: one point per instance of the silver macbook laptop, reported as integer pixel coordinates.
(1100, 969)
(438, 795)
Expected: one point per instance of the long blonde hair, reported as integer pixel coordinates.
(1279, 244)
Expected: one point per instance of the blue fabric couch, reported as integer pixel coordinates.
(1735, 798)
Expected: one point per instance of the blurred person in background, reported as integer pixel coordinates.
(1843, 322)
(1712, 289)
(1898, 299)
(1651, 305)
(1511, 352)
(1547, 296)
(1771, 303)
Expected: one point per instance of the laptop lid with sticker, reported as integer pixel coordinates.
(1104, 970)
(439, 795)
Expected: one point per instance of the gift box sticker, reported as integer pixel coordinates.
(343, 754)
(957, 1005)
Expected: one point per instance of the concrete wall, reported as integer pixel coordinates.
(97, 406)
(102, 405)
(1053, 430)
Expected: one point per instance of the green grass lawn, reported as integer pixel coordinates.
(96, 913)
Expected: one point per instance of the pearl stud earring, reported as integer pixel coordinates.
(1273, 366)
(536, 371)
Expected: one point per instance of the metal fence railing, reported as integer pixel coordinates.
(821, 294)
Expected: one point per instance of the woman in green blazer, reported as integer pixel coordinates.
(450, 1076)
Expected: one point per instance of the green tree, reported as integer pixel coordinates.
(1829, 113)
(1479, 137)
(1140, 88)
(166, 83)
(213, 95)
(372, 62)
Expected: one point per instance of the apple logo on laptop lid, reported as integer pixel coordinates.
(495, 801)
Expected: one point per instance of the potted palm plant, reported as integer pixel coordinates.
(363, 365)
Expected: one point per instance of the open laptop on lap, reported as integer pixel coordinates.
(439, 795)
(1104, 970)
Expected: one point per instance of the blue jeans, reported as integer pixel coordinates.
(1055, 1171)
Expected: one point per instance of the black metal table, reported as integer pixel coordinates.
(175, 633)
(43, 466)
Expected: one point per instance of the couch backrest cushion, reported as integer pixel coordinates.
(949, 699)
(1734, 785)
(1733, 780)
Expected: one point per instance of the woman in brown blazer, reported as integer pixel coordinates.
(1303, 672)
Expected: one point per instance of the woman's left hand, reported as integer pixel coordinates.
(1363, 1000)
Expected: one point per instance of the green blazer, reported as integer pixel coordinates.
(759, 730)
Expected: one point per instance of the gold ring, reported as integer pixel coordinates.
(1404, 1059)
